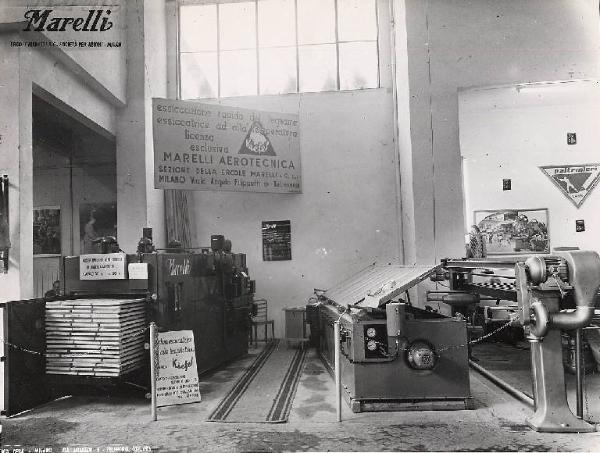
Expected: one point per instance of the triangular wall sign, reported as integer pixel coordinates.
(576, 182)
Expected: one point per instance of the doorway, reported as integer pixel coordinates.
(74, 189)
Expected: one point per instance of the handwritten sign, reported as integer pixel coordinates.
(177, 374)
(213, 147)
(97, 266)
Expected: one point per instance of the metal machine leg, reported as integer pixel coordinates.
(579, 372)
(552, 413)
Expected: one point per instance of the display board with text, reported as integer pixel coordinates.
(177, 374)
(201, 146)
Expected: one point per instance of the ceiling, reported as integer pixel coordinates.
(58, 138)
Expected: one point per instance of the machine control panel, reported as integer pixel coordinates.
(376, 342)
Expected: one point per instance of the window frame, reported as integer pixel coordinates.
(381, 34)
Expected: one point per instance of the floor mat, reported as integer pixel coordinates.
(266, 390)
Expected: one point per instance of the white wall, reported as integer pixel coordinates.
(111, 73)
(16, 162)
(510, 131)
(464, 43)
(65, 90)
(344, 220)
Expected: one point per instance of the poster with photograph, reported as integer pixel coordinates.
(46, 230)
(277, 240)
(96, 220)
(514, 231)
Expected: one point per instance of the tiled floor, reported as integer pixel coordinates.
(497, 422)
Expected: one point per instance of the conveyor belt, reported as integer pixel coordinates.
(504, 291)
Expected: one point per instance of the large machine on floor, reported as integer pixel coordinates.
(394, 356)
(552, 293)
(208, 292)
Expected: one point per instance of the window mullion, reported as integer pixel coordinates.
(256, 40)
(297, 48)
(178, 53)
(337, 47)
(218, 54)
(377, 41)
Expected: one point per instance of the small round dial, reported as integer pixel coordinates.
(371, 332)
(371, 345)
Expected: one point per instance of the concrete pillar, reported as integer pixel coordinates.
(16, 162)
(139, 204)
(414, 135)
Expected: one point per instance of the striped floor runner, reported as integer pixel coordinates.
(266, 390)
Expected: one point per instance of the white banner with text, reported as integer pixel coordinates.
(213, 147)
(177, 375)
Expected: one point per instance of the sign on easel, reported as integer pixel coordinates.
(176, 374)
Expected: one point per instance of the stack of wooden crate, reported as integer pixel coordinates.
(95, 337)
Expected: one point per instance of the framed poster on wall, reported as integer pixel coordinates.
(277, 240)
(514, 231)
(46, 230)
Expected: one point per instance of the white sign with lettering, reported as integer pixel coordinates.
(201, 146)
(177, 374)
(98, 266)
(138, 271)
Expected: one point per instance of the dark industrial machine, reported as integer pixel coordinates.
(208, 292)
(23, 371)
(394, 356)
(551, 293)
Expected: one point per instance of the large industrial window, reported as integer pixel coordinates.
(277, 46)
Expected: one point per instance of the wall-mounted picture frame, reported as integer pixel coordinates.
(514, 231)
(277, 240)
(46, 231)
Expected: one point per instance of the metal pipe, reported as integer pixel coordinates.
(338, 371)
(571, 320)
(584, 268)
(153, 362)
(578, 372)
(541, 325)
(503, 384)
(505, 263)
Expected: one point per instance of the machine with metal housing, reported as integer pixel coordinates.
(209, 293)
(394, 356)
(550, 293)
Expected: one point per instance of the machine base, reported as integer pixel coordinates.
(410, 405)
(401, 405)
(569, 424)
